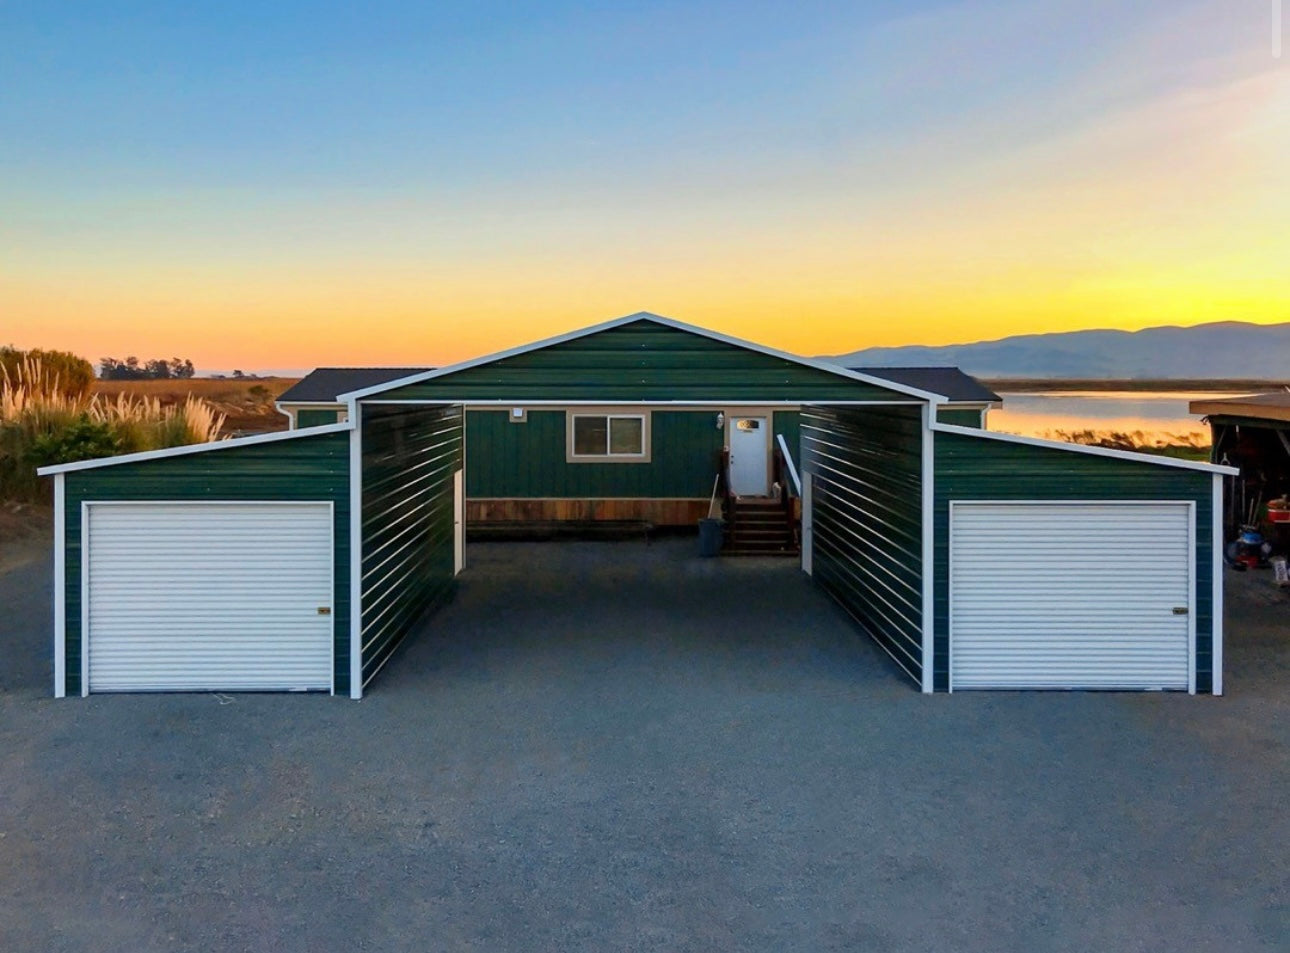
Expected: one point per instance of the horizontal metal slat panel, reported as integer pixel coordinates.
(210, 596)
(1059, 595)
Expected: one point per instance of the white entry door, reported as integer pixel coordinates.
(750, 456)
(208, 596)
(1071, 595)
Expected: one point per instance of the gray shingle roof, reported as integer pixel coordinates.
(325, 384)
(950, 382)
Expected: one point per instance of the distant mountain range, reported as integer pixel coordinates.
(1226, 350)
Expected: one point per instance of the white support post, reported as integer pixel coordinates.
(60, 586)
(929, 549)
(458, 522)
(1216, 594)
(356, 552)
(808, 531)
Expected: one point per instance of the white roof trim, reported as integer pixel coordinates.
(833, 369)
(194, 448)
(1130, 455)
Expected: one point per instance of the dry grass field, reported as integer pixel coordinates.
(247, 403)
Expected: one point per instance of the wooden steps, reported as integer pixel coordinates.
(758, 526)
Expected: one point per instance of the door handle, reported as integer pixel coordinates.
(324, 610)
(1181, 610)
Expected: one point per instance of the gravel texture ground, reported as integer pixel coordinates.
(619, 746)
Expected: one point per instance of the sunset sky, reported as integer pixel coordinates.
(402, 183)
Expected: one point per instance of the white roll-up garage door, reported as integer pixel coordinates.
(208, 596)
(1071, 595)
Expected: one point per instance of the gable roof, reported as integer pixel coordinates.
(832, 370)
(950, 382)
(325, 384)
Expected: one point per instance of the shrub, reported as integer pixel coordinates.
(69, 375)
(83, 439)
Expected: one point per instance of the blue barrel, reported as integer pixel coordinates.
(710, 537)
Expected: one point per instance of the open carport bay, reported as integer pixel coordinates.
(618, 746)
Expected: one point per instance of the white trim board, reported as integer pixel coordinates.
(1216, 593)
(833, 369)
(1127, 455)
(60, 586)
(502, 404)
(356, 553)
(195, 448)
(928, 487)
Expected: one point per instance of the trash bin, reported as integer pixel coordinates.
(711, 532)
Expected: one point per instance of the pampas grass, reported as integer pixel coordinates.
(36, 415)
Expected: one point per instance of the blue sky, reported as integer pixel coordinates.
(531, 167)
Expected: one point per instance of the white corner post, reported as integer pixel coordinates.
(458, 522)
(1216, 594)
(356, 551)
(928, 483)
(808, 532)
(60, 585)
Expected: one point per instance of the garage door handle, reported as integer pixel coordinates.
(326, 610)
(1180, 610)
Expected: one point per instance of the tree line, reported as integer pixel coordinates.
(132, 369)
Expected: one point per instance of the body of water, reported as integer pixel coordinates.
(1160, 416)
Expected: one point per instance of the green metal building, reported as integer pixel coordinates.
(301, 560)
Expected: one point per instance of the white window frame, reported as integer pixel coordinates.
(607, 457)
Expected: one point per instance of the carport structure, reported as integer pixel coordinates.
(302, 560)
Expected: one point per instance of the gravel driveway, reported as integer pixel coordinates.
(615, 746)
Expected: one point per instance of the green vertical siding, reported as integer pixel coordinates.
(866, 486)
(529, 460)
(316, 418)
(642, 360)
(308, 468)
(959, 417)
(789, 424)
(409, 457)
(979, 468)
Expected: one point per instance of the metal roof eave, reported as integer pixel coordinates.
(1128, 455)
(833, 369)
(192, 448)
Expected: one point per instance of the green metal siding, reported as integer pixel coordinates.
(642, 361)
(789, 424)
(972, 468)
(409, 457)
(959, 417)
(312, 468)
(529, 460)
(866, 505)
(316, 418)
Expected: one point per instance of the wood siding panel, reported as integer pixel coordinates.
(657, 512)
(642, 361)
(303, 468)
(866, 470)
(971, 468)
(409, 458)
